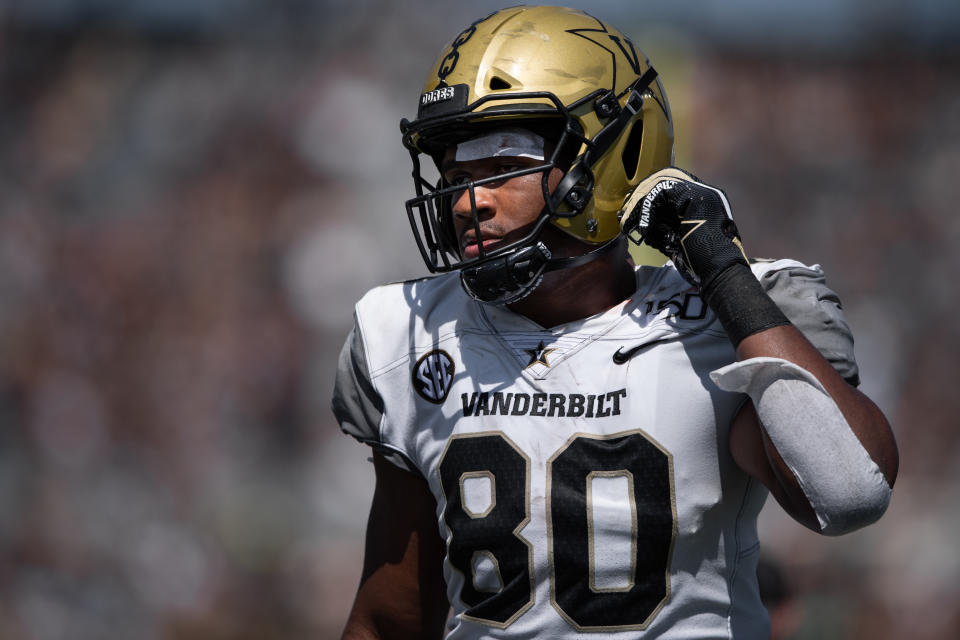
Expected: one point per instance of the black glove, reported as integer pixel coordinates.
(689, 221)
(673, 212)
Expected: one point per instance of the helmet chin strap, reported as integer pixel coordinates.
(556, 264)
(513, 277)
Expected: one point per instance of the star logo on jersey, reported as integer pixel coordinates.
(432, 376)
(538, 355)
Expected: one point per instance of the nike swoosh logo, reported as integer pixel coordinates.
(621, 356)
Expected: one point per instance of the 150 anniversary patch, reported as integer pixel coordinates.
(433, 375)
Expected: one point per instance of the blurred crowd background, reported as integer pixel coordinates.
(194, 194)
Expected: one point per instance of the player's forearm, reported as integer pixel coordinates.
(821, 434)
(759, 329)
(828, 446)
(864, 418)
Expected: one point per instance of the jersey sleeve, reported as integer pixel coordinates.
(356, 403)
(802, 294)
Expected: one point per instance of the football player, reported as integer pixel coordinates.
(566, 444)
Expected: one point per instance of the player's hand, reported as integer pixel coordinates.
(689, 221)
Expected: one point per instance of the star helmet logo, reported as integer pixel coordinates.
(602, 37)
(432, 376)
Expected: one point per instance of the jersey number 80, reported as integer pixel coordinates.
(495, 533)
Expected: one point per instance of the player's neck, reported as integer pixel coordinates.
(580, 292)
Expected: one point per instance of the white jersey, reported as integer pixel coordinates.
(582, 474)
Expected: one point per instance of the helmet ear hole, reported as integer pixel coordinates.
(497, 83)
(631, 151)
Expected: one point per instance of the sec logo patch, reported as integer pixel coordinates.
(432, 376)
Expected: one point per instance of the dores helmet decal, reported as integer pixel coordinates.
(433, 375)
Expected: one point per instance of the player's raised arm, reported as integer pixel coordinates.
(824, 449)
(401, 593)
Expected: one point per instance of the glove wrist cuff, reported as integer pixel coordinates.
(741, 304)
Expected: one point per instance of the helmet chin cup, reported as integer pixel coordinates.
(509, 278)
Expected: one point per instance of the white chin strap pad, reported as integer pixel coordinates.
(842, 483)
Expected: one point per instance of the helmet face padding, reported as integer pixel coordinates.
(577, 82)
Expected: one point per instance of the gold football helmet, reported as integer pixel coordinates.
(571, 78)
